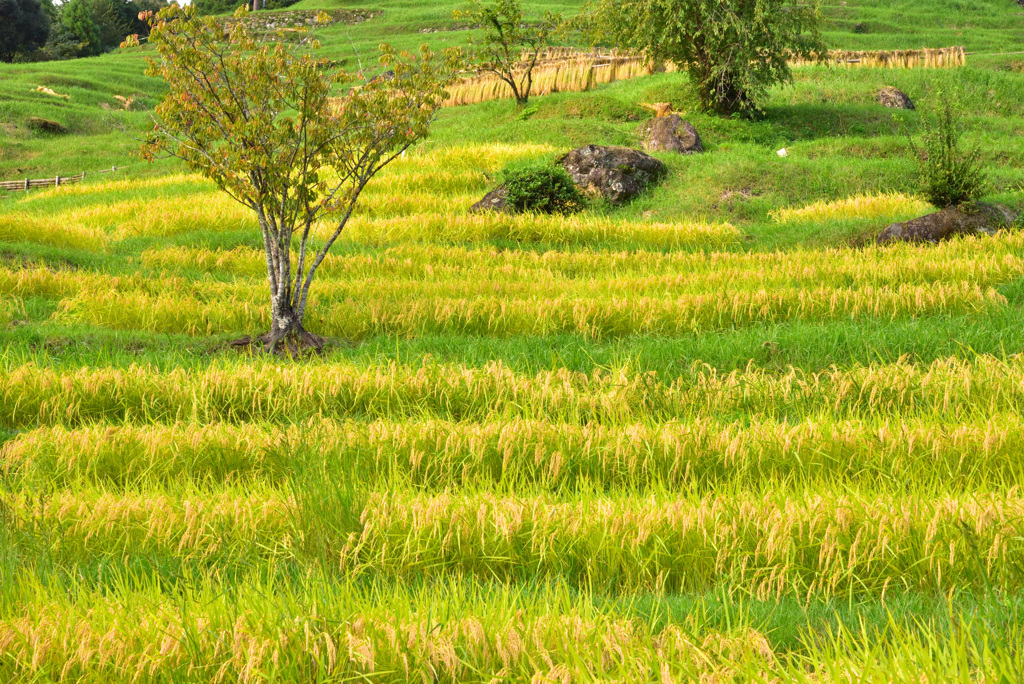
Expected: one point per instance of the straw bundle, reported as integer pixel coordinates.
(569, 70)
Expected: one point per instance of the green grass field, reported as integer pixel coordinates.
(715, 435)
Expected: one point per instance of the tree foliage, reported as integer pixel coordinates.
(98, 26)
(511, 45)
(24, 26)
(733, 50)
(259, 120)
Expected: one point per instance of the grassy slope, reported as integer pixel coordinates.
(841, 144)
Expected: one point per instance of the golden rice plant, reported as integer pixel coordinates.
(223, 524)
(24, 227)
(322, 631)
(783, 543)
(990, 262)
(10, 309)
(443, 453)
(888, 206)
(435, 637)
(261, 391)
(819, 544)
(509, 313)
(559, 230)
(57, 284)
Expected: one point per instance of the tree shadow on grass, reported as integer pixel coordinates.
(812, 121)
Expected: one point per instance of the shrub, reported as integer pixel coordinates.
(545, 189)
(951, 174)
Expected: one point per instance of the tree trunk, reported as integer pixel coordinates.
(287, 336)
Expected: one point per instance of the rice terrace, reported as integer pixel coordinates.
(538, 341)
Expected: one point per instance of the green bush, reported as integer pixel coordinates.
(546, 189)
(951, 174)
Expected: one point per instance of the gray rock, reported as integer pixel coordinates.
(894, 98)
(671, 134)
(973, 219)
(617, 174)
(496, 200)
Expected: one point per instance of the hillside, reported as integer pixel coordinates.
(716, 434)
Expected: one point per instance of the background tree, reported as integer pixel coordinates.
(99, 26)
(259, 120)
(24, 26)
(733, 50)
(511, 45)
(77, 17)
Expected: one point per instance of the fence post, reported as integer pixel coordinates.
(57, 183)
(27, 182)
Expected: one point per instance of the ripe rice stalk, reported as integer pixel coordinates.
(506, 314)
(889, 206)
(990, 262)
(818, 544)
(927, 58)
(227, 525)
(261, 391)
(10, 309)
(565, 70)
(701, 453)
(503, 634)
(559, 70)
(331, 631)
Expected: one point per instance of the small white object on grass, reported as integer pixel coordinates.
(783, 152)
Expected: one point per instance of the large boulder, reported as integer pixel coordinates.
(974, 219)
(496, 200)
(894, 98)
(617, 174)
(671, 134)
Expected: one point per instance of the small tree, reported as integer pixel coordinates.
(511, 46)
(24, 26)
(733, 50)
(259, 120)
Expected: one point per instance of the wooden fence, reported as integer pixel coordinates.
(54, 182)
(29, 183)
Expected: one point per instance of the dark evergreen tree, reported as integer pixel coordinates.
(24, 27)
